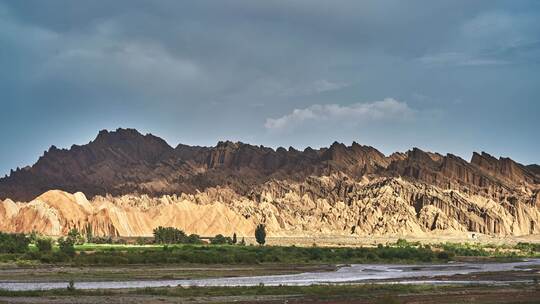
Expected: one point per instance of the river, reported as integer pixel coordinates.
(394, 274)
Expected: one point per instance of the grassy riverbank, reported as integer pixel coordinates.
(230, 254)
(291, 294)
(96, 262)
(399, 252)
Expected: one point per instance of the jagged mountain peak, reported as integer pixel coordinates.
(127, 135)
(125, 161)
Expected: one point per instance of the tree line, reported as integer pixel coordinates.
(171, 235)
(19, 243)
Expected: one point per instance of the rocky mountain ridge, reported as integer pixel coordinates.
(131, 179)
(125, 161)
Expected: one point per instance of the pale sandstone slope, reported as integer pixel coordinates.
(326, 205)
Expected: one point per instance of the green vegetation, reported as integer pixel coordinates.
(260, 234)
(44, 244)
(66, 246)
(227, 254)
(529, 247)
(56, 292)
(107, 240)
(221, 240)
(13, 243)
(368, 293)
(171, 235)
(319, 291)
(76, 237)
(89, 233)
(465, 249)
(33, 237)
(313, 290)
(173, 246)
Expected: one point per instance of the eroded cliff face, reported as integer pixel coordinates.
(326, 205)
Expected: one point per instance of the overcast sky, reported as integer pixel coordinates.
(447, 76)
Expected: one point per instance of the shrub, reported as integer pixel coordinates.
(119, 241)
(464, 249)
(402, 243)
(443, 255)
(531, 247)
(71, 285)
(44, 245)
(220, 240)
(141, 241)
(193, 239)
(102, 240)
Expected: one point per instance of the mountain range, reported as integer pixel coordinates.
(126, 183)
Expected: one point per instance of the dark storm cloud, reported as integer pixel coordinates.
(199, 71)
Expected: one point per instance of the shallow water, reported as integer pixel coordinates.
(396, 274)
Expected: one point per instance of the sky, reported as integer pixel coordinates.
(452, 76)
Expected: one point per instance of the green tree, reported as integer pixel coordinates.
(242, 242)
(89, 233)
(260, 234)
(169, 235)
(234, 240)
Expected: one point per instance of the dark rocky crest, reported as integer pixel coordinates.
(125, 161)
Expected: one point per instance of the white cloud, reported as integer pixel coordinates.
(386, 109)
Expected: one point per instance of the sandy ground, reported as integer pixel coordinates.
(354, 241)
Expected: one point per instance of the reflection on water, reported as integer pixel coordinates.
(397, 274)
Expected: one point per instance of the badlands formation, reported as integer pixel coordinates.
(125, 184)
